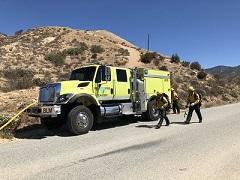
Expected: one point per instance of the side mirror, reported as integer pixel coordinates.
(103, 74)
(107, 73)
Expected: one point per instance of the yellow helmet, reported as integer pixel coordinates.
(190, 88)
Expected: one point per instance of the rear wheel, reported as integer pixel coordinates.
(152, 113)
(80, 120)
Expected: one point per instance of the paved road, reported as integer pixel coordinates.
(132, 151)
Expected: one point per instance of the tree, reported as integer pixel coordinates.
(175, 58)
(196, 65)
(148, 57)
(201, 75)
(18, 32)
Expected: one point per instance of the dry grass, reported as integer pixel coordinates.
(7, 132)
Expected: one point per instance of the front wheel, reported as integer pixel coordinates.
(152, 113)
(80, 120)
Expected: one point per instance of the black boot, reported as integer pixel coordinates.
(157, 127)
(167, 123)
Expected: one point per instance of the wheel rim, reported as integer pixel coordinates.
(82, 120)
(155, 111)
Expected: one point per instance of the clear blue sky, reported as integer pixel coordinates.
(204, 30)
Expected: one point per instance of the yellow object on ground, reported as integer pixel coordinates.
(18, 114)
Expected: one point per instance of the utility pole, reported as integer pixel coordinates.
(148, 42)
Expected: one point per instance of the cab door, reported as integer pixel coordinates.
(104, 84)
(122, 84)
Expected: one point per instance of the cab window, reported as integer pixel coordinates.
(103, 74)
(83, 74)
(121, 75)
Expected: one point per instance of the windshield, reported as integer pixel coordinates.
(83, 74)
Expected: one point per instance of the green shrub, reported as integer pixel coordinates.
(225, 98)
(42, 81)
(56, 58)
(83, 46)
(123, 52)
(156, 62)
(159, 58)
(83, 58)
(73, 51)
(97, 49)
(175, 58)
(94, 56)
(148, 57)
(192, 73)
(185, 63)
(201, 75)
(234, 94)
(19, 78)
(120, 62)
(163, 68)
(195, 65)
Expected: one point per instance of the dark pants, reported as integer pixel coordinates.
(197, 110)
(163, 115)
(175, 107)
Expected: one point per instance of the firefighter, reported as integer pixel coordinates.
(162, 104)
(194, 102)
(175, 100)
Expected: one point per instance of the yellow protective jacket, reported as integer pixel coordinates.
(161, 102)
(174, 96)
(193, 98)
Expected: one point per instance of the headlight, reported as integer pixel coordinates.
(64, 97)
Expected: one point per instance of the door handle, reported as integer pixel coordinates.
(111, 90)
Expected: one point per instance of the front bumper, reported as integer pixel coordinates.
(44, 111)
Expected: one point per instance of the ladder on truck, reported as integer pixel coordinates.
(138, 92)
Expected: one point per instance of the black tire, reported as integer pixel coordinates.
(152, 113)
(80, 120)
(51, 123)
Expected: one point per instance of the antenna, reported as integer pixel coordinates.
(148, 42)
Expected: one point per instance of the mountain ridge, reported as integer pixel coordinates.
(225, 71)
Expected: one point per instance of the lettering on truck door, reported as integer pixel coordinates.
(104, 83)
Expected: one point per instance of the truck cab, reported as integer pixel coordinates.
(97, 93)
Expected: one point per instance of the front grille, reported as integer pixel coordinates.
(34, 110)
(49, 93)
